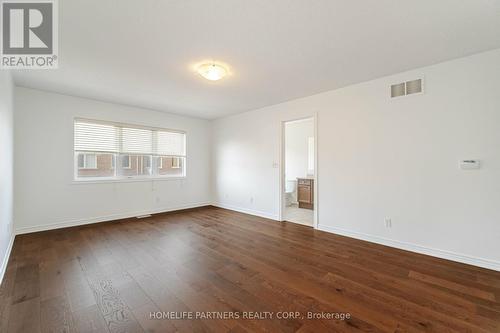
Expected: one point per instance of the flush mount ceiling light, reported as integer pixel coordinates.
(211, 71)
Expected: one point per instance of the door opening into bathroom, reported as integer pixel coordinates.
(299, 181)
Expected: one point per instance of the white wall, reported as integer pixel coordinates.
(297, 134)
(381, 158)
(45, 195)
(6, 168)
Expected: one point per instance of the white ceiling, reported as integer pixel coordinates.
(142, 52)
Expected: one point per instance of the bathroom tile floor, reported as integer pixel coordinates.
(299, 215)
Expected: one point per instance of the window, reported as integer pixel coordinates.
(146, 162)
(125, 161)
(105, 150)
(87, 161)
(176, 163)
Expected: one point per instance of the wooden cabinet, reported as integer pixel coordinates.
(305, 193)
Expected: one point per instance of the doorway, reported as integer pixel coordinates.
(299, 174)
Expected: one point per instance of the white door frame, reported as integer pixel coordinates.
(282, 182)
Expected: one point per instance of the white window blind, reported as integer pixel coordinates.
(136, 141)
(170, 143)
(123, 138)
(96, 137)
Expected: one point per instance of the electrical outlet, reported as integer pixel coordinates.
(388, 222)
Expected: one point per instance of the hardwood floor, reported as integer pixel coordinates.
(112, 277)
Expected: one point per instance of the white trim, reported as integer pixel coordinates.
(282, 167)
(247, 211)
(6, 257)
(443, 254)
(131, 179)
(316, 174)
(106, 218)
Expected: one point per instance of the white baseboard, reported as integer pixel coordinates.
(443, 254)
(6, 257)
(106, 218)
(247, 211)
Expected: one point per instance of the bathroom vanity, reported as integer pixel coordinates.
(305, 193)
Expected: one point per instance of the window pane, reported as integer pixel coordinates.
(95, 165)
(176, 162)
(146, 160)
(134, 165)
(81, 161)
(90, 161)
(170, 166)
(125, 159)
(146, 165)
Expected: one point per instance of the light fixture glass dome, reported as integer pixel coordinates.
(212, 72)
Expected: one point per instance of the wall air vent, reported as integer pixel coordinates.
(407, 88)
(398, 90)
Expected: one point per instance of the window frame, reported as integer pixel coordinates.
(134, 178)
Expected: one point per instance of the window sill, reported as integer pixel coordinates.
(123, 180)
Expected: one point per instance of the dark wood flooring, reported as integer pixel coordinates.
(110, 277)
